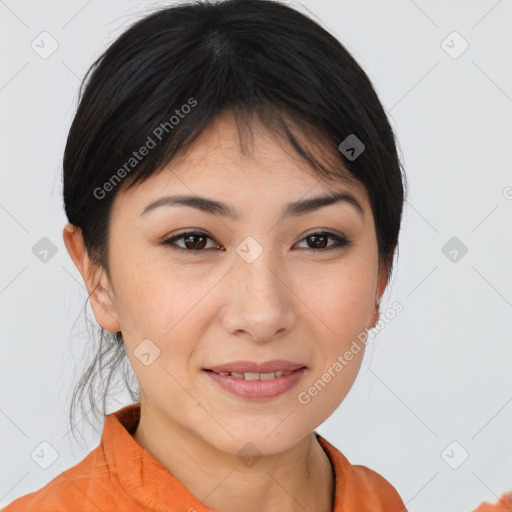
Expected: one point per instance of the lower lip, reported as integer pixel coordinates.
(257, 388)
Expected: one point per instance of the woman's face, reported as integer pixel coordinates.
(252, 287)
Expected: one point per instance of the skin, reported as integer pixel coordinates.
(293, 302)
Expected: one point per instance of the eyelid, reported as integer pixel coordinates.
(328, 231)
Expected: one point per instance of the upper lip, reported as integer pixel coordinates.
(254, 367)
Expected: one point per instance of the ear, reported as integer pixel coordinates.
(95, 279)
(381, 287)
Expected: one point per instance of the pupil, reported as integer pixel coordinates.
(315, 240)
(195, 245)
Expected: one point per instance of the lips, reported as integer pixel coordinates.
(255, 376)
(242, 367)
(251, 386)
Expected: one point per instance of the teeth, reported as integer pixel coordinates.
(256, 376)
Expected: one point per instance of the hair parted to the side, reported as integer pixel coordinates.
(259, 59)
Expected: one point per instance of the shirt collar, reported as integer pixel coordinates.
(151, 484)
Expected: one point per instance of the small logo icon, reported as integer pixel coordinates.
(146, 352)
(44, 45)
(454, 45)
(249, 249)
(249, 454)
(351, 147)
(44, 250)
(454, 250)
(454, 455)
(44, 455)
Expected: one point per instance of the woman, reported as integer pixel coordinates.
(234, 199)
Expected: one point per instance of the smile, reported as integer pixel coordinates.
(250, 385)
(255, 376)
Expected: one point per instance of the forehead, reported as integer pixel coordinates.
(216, 165)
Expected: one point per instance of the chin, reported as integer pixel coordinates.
(255, 441)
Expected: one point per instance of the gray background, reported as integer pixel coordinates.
(439, 372)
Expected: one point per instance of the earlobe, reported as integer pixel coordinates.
(381, 287)
(95, 279)
(103, 305)
(375, 317)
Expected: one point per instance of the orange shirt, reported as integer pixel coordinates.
(119, 475)
(504, 504)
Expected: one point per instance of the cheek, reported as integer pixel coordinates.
(340, 310)
(150, 294)
(165, 308)
(343, 297)
(166, 305)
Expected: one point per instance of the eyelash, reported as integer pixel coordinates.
(340, 241)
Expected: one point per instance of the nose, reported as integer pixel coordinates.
(259, 299)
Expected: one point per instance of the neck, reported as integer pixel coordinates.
(300, 478)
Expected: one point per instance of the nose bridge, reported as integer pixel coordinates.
(254, 264)
(260, 304)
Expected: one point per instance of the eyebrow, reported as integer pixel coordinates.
(294, 209)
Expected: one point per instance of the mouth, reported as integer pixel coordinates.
(256, 375)
(256, 370)
(257, 385)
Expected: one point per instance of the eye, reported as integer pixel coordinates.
(319, 239)
(196, 241)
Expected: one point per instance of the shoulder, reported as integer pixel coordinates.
(359, 487)
(76, 488)
(373, 485)
(504, 504)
